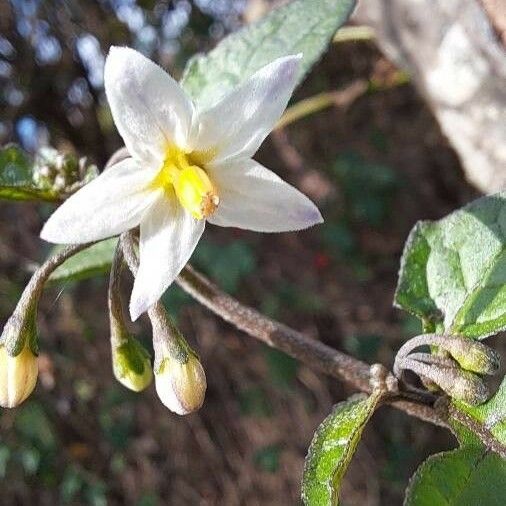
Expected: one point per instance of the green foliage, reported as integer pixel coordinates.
(228, 264)
(33, 425)
(339, 240)
(332, 448)
(267, 458)
(5, 455)
(50, 177)
(90, 262)
(282, 368)
(453, 271)
(302, 26)
(253, 401)
(287, 295)
(17, 177)
(367, 187)
(174, 299)
(467, 476)
(492, 414)
(365, 346)
(77, 482)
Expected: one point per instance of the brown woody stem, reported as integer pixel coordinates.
(309, 351)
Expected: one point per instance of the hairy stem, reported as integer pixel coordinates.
(116, 316)
(354, 33)
(311, 105)
(313, 353)
(36, 284)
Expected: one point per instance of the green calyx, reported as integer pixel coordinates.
(132, 364)
(20, 331)
(473, 356)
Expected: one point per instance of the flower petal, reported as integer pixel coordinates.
(254, 198)
(169, 235)
(110, 204)
(236, 126)
(149, 108)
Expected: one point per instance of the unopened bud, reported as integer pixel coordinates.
(459, 384)
(19, 350)
(132, 365)
(131, 362)
(18, 376)
(464, 386)
(473, 355)
(181, 386)
(180, 379)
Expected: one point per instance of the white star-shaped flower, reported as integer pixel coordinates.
(186, 167)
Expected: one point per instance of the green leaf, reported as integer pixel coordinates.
(90, 262)
(229, 264)
(332, 448)
(368, 188)
(467, 476)
(302, 26)
(16, 177)
(491, 414)
(453, 271)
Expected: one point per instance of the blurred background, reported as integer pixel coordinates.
(375, 161)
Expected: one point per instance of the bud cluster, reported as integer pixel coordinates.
(180, 379)
(456, 366)
(61, 174)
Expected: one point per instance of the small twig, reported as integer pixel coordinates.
(273, 333)
(41, 275)
(354, 33)
(477, 428)
(339, 98)
(127, 241)
(116, 317)
(313, 353)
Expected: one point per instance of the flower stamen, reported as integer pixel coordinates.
(191, 184)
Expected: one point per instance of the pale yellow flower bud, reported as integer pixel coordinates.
(181, 386)
(132, 365)
(473, 356)
(18, 376)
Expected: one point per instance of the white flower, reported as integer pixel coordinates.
(186, 167)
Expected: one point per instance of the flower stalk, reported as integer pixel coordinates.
(180, 379)
(131, 362)
(19, 341)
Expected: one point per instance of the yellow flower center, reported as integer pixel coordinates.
(182, 172)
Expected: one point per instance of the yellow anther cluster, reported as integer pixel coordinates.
(191, 184)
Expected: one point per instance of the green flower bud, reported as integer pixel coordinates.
(464, 386)
(181, 386)
(473, 355)
(132, 365)
(18, 376)
(439, 372)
